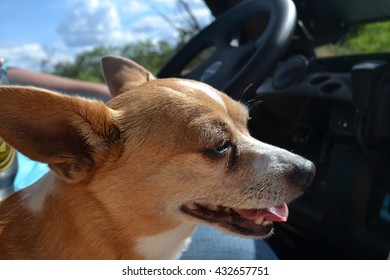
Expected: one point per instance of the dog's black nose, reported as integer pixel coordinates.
(302, 174)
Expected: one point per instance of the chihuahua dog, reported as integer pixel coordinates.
(132, 178)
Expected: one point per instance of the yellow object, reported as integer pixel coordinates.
(7, 155)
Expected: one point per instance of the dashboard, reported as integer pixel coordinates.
(334, 111)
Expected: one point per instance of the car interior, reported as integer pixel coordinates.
(331, 110)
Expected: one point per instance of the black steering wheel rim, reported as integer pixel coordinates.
(255, 60)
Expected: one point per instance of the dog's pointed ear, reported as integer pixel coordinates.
(72, 134)
(122, 74)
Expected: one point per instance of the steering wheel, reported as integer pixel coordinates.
(235, 69)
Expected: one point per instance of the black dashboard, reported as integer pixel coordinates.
(333, 111)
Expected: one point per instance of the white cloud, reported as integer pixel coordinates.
(203, 15)
(33, 56)
(93, 22)
(166, 3)
(29, 56)
(135, 7)
(155, 27)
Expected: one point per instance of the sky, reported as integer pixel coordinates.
(56, 30)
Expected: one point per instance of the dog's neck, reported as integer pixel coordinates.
(57, 213)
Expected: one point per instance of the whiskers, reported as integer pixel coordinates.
(244, 94)
(253, 195)
(253, 103)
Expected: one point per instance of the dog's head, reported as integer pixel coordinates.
(171, 149)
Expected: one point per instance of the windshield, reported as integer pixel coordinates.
(362, 39)
(350, 11)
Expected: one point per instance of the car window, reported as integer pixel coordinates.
(362, 39)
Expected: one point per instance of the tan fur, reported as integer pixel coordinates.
(121, 170)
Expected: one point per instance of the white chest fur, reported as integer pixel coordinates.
(167, 245)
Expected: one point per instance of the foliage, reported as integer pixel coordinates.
(87, 64)
(187, 26)
(151, 55)
(371, 38)
(368, 38)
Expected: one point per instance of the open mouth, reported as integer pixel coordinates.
(249, 222)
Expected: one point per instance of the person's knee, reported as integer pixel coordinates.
(211, 244)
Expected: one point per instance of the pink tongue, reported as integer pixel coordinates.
(273, 214)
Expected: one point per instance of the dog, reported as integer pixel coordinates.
(131, 179)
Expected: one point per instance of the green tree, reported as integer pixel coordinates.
(374, 37)
(87, 64)
(367, 38)
(151, 55)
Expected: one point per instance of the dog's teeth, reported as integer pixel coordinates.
(259, 221)
(266, 223)
(191, 206)
(214, 208)
(225, 209)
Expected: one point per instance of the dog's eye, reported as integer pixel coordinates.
(223, 149)
(226, 150)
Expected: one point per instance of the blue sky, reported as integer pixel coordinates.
(31, 31)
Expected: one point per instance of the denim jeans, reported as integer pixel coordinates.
(209, 243)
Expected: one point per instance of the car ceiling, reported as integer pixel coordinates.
(343, 11)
